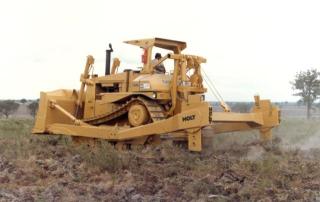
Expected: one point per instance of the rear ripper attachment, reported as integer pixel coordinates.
(138, 107)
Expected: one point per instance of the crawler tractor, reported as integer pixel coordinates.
(139, 107)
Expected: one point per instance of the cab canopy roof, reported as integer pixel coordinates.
(168, 44)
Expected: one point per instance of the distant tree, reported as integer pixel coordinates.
(23, 101)
(307, 85)
(33, 106)
(300, 103)
(7, 107)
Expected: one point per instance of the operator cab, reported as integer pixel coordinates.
(148, 44)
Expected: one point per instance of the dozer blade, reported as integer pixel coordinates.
(48, 115)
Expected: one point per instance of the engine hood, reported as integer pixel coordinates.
(154, 82)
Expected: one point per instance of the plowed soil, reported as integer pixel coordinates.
(52, 168)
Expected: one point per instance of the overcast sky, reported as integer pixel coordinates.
(252, 47)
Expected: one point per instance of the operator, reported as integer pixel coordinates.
(158, 69)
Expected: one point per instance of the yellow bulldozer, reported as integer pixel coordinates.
(139, 107)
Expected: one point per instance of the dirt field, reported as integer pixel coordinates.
(235, 167)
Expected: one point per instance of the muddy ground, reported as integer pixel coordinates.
(233, 168)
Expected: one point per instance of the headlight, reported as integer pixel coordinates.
(154, 95)
(145, 86)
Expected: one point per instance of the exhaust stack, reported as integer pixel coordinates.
(108, 58)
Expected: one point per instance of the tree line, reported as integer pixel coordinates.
(9, 107)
